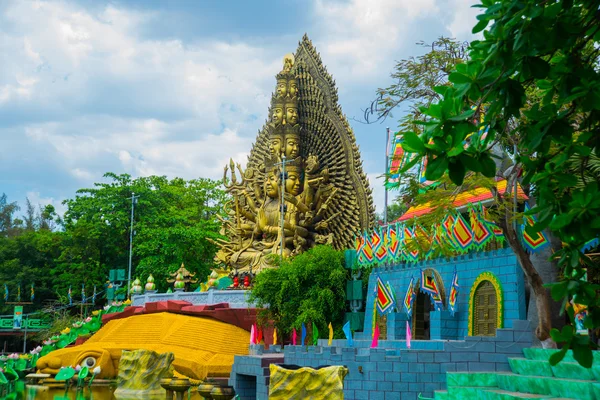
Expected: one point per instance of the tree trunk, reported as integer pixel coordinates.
(539, 293)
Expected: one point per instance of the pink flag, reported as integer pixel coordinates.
(294, 336)
(252, 335)
(408, 335)
(375, 337)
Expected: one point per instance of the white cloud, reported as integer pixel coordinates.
(37, 200)
(462, 18)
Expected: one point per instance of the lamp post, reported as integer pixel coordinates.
(133, 202)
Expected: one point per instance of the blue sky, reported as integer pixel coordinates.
(177, 87)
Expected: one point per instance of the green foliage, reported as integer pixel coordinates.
(536, 75)
(172, 221)
(309, 288)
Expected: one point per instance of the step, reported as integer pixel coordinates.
(572, 388)
(535, 353)
(572, 370)
(441, 395)
(471, 379)
(524, 366)
(465, 392)
(499, 394)
(524, 384)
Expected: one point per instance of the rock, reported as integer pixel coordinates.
(141, 371)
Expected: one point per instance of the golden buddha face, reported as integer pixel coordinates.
(282, 88)
(292, 147)
(292, 182)
(272, 184)
(292, 87)
(277, 114)
(291, 114)
(275, 143)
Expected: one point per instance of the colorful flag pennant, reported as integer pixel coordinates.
(348, 333)
(482, 233)
(274, 335)
(359, 247)
(70, 297)
(32, 292)
(408, 298)
(83, 293)
(385, 300)
(94, 295)
(396, 161)
(367, 249)
(394, 244)
(330, 335)
(461, 233)
(452, 300)
(252, 334)
(303, 335)
(429, 286)
(381, 253)
(294, 336)
(393, 293)
(535, 241)
(259, 335)
(19, 293)
(315, 333)
(5, 292)
(408, 335)
(375, 341)
(411, 252)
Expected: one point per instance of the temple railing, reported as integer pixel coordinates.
(235, 298)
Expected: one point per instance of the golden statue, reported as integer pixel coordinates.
(306, 158)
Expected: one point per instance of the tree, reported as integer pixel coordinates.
(172, 221)
(551, 46)
(7, 223)
(308, 288)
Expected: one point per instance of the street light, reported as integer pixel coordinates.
(133, 203)
(283, 178)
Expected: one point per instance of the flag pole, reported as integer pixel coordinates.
(387, 154)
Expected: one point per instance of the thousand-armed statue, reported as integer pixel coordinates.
(304, 166)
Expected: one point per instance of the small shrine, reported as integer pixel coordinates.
(182, 278)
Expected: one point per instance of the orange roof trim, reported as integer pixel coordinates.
(462, 199)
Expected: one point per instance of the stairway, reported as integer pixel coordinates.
(532, 377)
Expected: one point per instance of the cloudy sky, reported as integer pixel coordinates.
(177, 87)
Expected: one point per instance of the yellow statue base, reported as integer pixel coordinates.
(203, 347)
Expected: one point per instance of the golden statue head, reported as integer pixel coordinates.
(292, 87)
(293, 180)
(277, 111)
(282, 87)
(292, 141)
(276, 141)
(291, 111)
(272, 178)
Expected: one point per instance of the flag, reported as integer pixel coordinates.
(19, 293)
(453, 293)
(32, 292)
(367, 248)
(5, 292)
(259, 335)
(396, 161)
(274, 335)
(94, 295)
(393, 293)
(375, 340)
(408, 298)
(69, 296)
(385, 300)
(461, 233)
(294, 336)
(252, 335)
(535, 241)
(481, 231)
(376, 241)
(394, 244)
(359, 246)
(408, 335)
(381, 252)
(83, 293)
(303, 337)
(315, 334)
(348, 333)
(330, 335)
(409, 236)
(429, 286)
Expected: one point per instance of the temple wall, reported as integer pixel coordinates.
(501, 263)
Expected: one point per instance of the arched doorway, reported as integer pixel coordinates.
(421, 322)
(423, 305)
(485, 306)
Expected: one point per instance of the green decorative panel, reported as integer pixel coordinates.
(350, 259)
(354, 290)
(356, 319)
(523, 366)
(480, 379)
(6, 323)
(115, 275)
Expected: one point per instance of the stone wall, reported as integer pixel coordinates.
(235, 298)
(502, 263)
